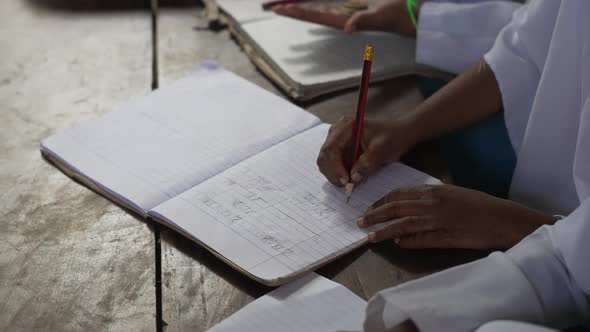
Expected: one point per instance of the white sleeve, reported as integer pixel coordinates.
(517, 60)
(544, 280)
(452, 36)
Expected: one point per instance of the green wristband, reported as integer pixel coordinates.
(411, 5)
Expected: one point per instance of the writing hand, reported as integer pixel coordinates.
(448, 216)
(381, 15)
(383, 142)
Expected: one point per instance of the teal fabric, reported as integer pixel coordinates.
(481, 156)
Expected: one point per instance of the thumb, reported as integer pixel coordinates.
(358, 21)
(367, 163)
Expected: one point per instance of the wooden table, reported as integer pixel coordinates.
(70, 259)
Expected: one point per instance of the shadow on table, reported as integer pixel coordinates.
(415, 262)
(108, 5)
(425, 261)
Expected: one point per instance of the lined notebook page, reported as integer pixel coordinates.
(275, 215)
(160, 145)
(312, 303)
(314, 54)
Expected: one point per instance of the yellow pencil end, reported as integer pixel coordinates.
(369, 50)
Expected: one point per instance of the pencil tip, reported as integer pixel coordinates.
(349, 188)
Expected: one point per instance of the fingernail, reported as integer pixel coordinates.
(372, 237)
(344, 181)
(361, 222)
(356, 177)
(396, 240)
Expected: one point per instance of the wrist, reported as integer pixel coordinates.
(529, 223)
(415, 127)
(402, 135)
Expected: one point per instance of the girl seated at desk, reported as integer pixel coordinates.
(539, 71)
(478, 146)
(451, 36)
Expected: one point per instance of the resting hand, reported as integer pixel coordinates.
(383, 142)
(451, 217)
(381, 15)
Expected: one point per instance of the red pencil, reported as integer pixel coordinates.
(360, 111)
(269, 4)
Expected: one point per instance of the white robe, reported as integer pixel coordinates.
(453, 35)
(541, 60)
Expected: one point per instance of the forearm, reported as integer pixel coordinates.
(469, 98)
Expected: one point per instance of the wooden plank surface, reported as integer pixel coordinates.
(70, 259)
(199, 289)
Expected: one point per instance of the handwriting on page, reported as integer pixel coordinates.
(280, 202)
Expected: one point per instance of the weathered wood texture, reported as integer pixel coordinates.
(69, 259)
(199, 289)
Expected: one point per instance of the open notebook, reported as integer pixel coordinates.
(307, 60)
(231, 167)
(309, 304)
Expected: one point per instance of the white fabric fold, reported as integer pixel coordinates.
(540, 60)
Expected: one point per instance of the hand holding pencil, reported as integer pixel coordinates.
(355, 148)
(383, 142)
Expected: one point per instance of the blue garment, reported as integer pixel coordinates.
(480, 156)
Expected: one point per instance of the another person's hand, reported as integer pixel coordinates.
(448, 216)
(381, 15)
(383, 142)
